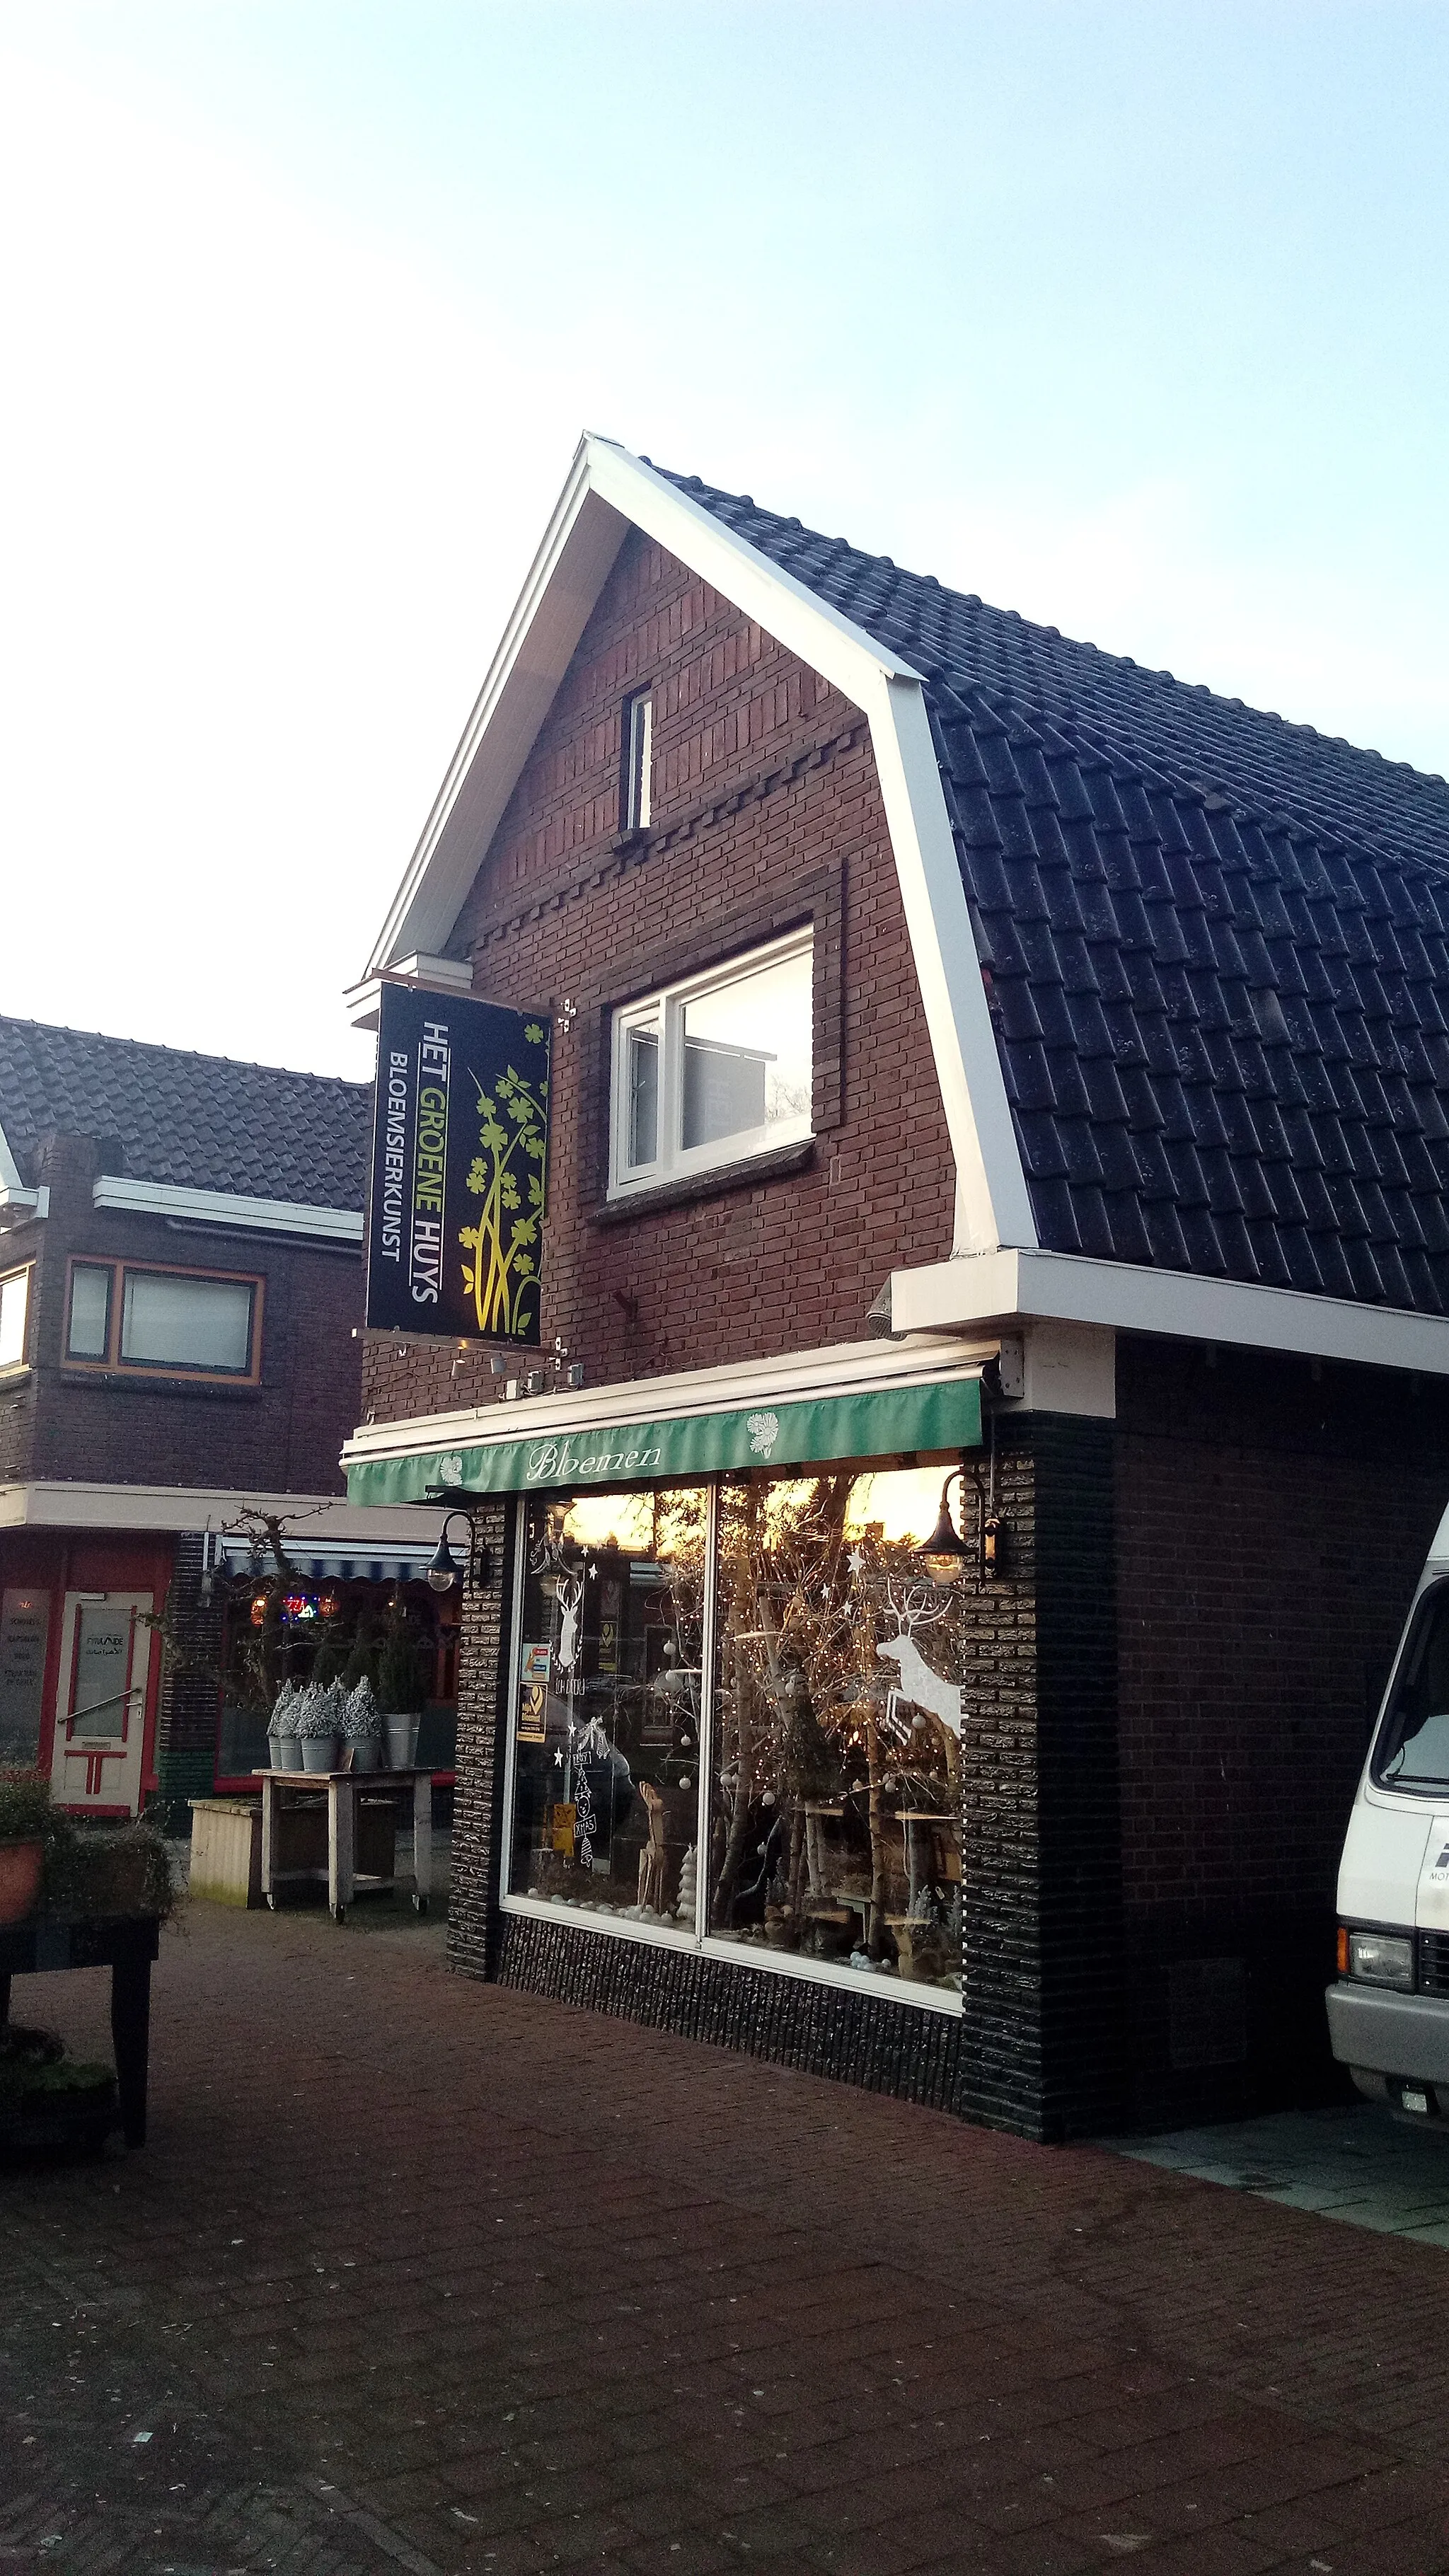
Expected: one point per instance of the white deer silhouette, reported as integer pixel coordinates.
(570, 1603)
(919, 1686)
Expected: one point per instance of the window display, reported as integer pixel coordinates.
(606, 1728)
(835, 1808)
(829, 1733)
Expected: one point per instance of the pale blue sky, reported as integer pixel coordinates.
(1132, 317)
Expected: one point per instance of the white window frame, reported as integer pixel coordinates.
(638, 760)
(663, 1013)
(9, 1368)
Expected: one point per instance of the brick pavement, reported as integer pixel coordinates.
(421, 2274)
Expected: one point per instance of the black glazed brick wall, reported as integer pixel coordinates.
(1083, 2021)
(1041, 1879)
(823, 2030)
(473, 1915)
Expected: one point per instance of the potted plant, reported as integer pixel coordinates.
(101, 1871)
(362, 1726)
(279, 1727)
(318, 1719)
(401, 1689)
(26, 1822)
(282, 1735)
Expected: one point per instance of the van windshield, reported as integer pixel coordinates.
(1413, 1747)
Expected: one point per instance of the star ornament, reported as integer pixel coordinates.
(856, 1561)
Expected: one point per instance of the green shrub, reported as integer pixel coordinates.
(26, 1814)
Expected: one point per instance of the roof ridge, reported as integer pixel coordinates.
(184, 1055)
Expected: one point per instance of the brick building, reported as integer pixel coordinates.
(971, 1052)
(180, 1297)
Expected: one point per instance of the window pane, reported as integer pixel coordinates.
(836, 1801)
(102, 1671)
(643, 1077)
(90, 1301)
(13, 1296)
(747, 1054)
(24, 1625)
(606, 1760)
(1413, 1750)
(186, 1323)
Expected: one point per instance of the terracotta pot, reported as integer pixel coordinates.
(20, 1867)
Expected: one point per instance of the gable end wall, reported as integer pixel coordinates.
(766, 812)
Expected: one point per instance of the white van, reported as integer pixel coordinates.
(1388, 2014)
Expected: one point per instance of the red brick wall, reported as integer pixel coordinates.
(284, 1435)
(765, 810)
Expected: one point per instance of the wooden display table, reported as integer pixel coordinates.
(342, 1789)
(124, 1943)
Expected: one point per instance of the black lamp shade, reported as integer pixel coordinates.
(443, 1572)
(945, 1554)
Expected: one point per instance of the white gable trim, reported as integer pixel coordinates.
(608, 491)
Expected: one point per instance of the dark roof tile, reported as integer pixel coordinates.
(1244, 921)
(201, 1122)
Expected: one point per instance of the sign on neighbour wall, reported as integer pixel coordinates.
(459, 1167)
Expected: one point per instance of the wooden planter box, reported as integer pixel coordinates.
(226, 1843)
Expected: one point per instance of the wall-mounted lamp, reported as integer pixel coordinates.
(946, 1555)
(445, 1571)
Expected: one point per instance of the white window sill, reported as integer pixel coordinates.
(741, 1954)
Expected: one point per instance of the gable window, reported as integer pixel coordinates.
(14, 1315)
(638, 742)
(177, 1322)
(713, 1069)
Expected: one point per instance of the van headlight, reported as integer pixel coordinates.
(1382, 1959)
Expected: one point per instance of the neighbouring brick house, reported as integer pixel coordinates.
(180, 1298)
(970, 1050)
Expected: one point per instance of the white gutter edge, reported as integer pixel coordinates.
(221, 1207)
(309, 1518)
(996, 1288)
(17, 1207)
(846, 1368)
(17, 1203)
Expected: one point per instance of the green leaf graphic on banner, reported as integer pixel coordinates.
(502, 1275)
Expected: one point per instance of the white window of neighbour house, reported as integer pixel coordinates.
(14, 1315)
(713, 1069)
(174, 1322)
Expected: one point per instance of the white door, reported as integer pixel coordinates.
(100, 1716)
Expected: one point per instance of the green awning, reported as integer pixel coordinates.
(944, 1416)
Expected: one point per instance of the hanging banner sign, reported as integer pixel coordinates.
(459, 1167)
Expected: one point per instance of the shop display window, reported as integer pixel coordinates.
(835, 1814)
(606, 1727)
(738, 1718)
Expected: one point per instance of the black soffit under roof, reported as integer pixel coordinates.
(200, 1122)
(1214, 944)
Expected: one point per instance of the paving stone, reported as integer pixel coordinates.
(520, 2289)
